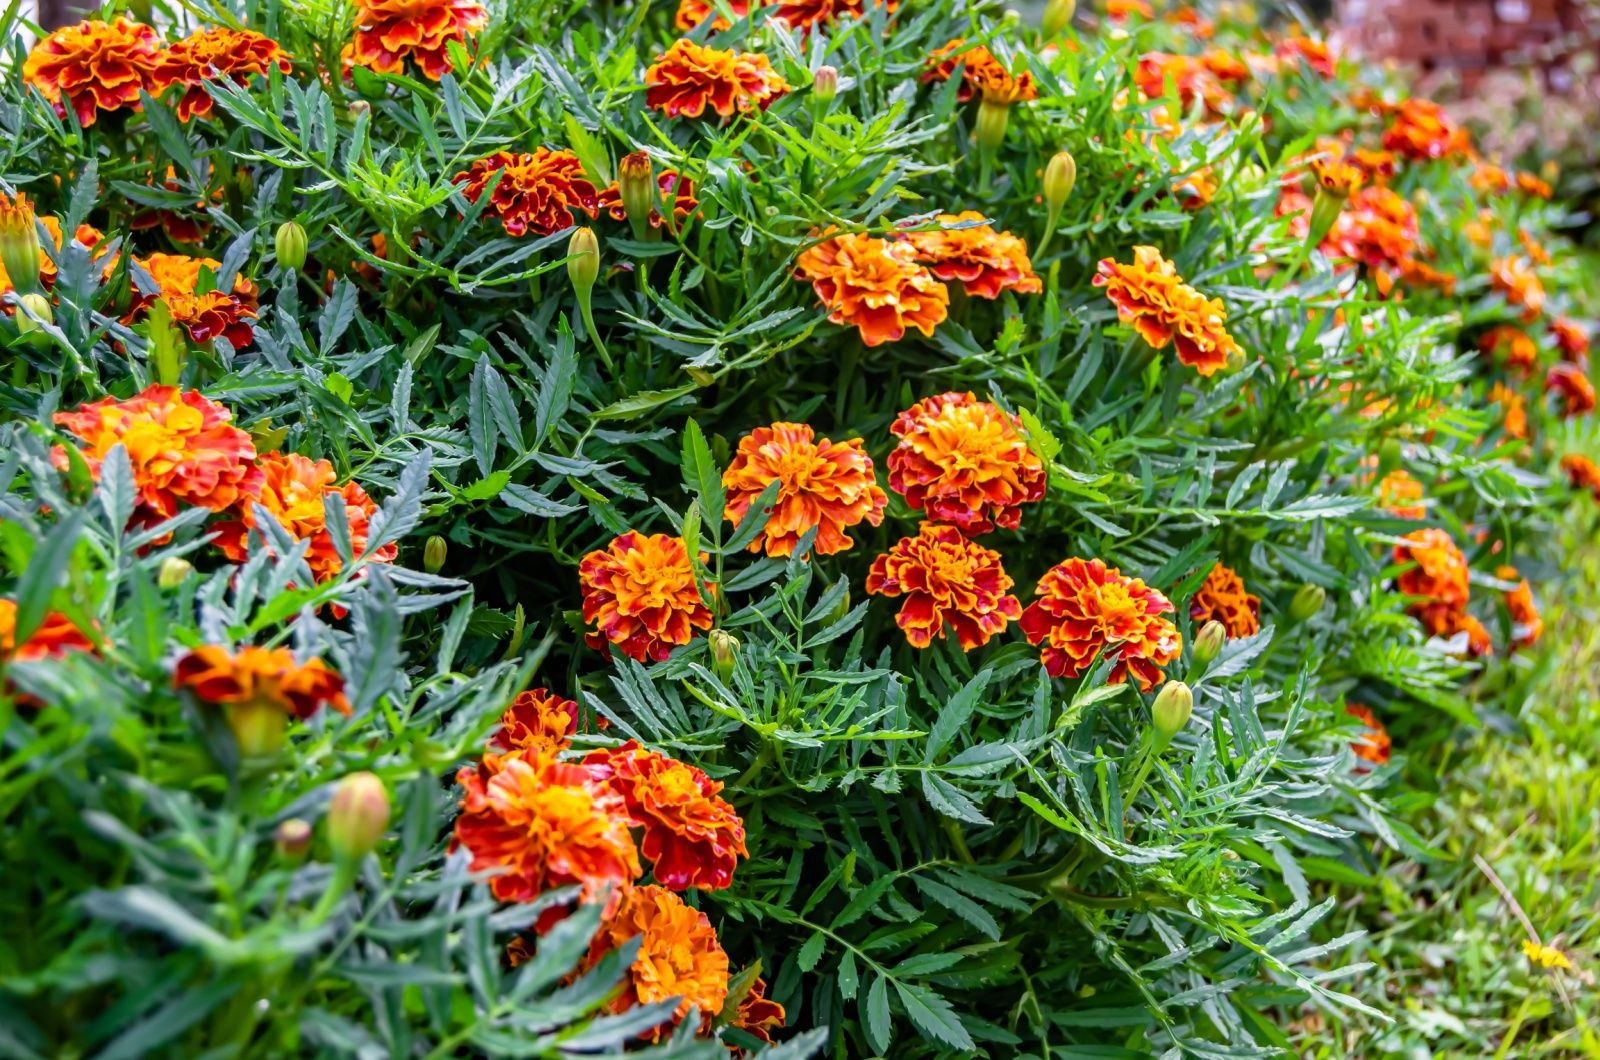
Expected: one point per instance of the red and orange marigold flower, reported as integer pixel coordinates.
(1441, 620)
(690, 77)
(1438, 571)
(757, 1015)
(1582, 473)
(182, 446)
(1511, 344)
(1572, 339)
(1572, 383)
(1516, 279)
(824, 485)
(809, 14)
(982, 75)
(539, 192)
(676, 189)
(1400, 494)
(1513, 410)
(210, 54)
(874, 285)
(640, 592)
(537, 720)
(962, 461)
(1152, 298)
(1314, 53)
(948, 580)
(255, 677)
(388, 32)
(1526, 623)
(692, 836)
(691, 13)
(984, 261)
(1374, 744)
(1422, 131)
(1223, 598)
(94, 66)
(1085, 609)
(55, 636)
(679, 955)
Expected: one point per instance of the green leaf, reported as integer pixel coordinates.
(702, 477)
(932, 1015)
(811, 951)
(875, 1009)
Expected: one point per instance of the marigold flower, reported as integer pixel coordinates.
(1545, 956)
(1314, 53)
(1374, 745)
(691, 13)
(1488, 178)
(1122, 10)
(692, 836)
(1379, 166)
(210, 54)
(808, 14)
(1085, 609)
(539, 192)
(827, 485)
(640, 592)
(874, 285)
(1514, 410)
(1338, 177)
(1396, 493)
(1439, 573)
(255, 676)
(94, 66)
(537, 719)
(388, 32)
(1582, 472)
(181, 445)
(1572, 382)
(679, 955)
(1223, 597)
(947, 579)
(1516, 279)
(204, 315)
(1194, 78)
(963, 461)
(1572, 339)
(758, 1016)
(981, 74)
(1151, 296)
(1513, 344)
(179, 226)
(1526, 623)
(55, 636)
(689, 77)
(985, 261)
(1441, 620)
(541, 823)
(1422, 131)
(1378, 229)
(296, 490)
(1529, 184)
(678, 190)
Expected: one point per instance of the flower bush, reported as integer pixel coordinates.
(664, 528)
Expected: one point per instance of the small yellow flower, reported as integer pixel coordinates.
(1545, 956)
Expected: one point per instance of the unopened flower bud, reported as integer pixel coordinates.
(358, 816)
(358, 109)
(636, 185)
(1208, 642)
(841, 608)
(1060, 174)
(990, 131)
(724, 652)
(259, 727)
(583, 259)
(175, 570)
(1057, 16)
(1170, 712)
(292, 839)
(434, 551)
(19, 243)
(825, 84)
(1307, 602)
(291, 244)
(38, 305)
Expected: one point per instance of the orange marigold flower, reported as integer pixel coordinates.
(1438, 573)
(538, 192)
(690, 77)
(1397, 491)
(1480, 230)
(947, 579)
(1378, 229)
(874, 285)
(1421, 130)
(1223, 598)
(827, 485)
(1515, 345)
(963, 461)
(1514, 409)
(1418, 273)
(692, 836)
(1337, 176)
(1195, 79)
(1121, 10)
(1314, 53)
(675, 189)
(1537, 253)
(1226, 66)
(1151, 296)
(1526, 623)
(1571, 338)
(55, 636)
(1085, 609)
(1379, 166)
(1441, 620)
(253, 676)
(183, 448)
(1192, 22)
(981, 74)
(1571, 381)
(296, 490)
(809, 14)
(1582, 472)
(985, 261)
(179, 226)
(541, 823)
(1517, 280)
(1529, 184)
(640, 592)
(388, 32)
(1488, 178)
(94, 66)
(537, 719)
(205, 315)
(691, 13)
(758, 1016)
(679, 955)
(210, 54)
(1374, 745)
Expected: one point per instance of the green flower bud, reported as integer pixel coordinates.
(20, 253)
(724, 653)
(434, 551)
(636, 185)
(825, 84)
(175, 570)
(292, 839)
(39, 306)
(1170, 712)
(1208, 642)
(358, 816)
(1057, 16)
(1060, 174)
(583, 260)
(993, 115)
(291, 244)
(1307, 602)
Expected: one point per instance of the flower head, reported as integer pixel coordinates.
(1223, 597)
(1513, 409)
(679, 955)
(1545, 956)
(948, 580)
(1374, 744)
(757, 1015)
(1582, 472)
(204, 314)
(55, 636)
(537, 719)
(692, 836)
(874, 285)
(1572, 339)
(1313, 53)
(692, 13)
(256, 676)
(640, 592)
(1519, 282)
(182, 446)
(1421, 131)
(1151, 296)
(542, 823)
(674, 188)
(388, 32)
(963, 461)
(1378, 229)
(1085, 609)
(690, 77)
(1443, 620)
(1398, 494)
(1572, 382)
(1529, 184)
(1438, 573)
(1515, 346)
(94, 66)
(1526, 623)
(1194, 79)
(210, 54)
(983, 260)
(539, 192)
(807, 15)
(982, 75)
(824, 485)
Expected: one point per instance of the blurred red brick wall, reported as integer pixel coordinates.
(1472, 37)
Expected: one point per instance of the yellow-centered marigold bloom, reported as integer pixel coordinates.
(963, 461)
(679, 956)
(688, 78)
(253, 676)
(982, 75)
(388, 32)
(1438, 573)
(1421, 131)
(212, 54)
(1151, 296)
(539, 192)
(1374, 745)
(1516, 279)
(1582, 472)
(1085, 609)
(1513, 408)
(537, 719)
(827, 485)
(641, 595)
(94, 66)
(204, 315)
(1572, 383)
(1545, 956)
(983, 260)
(182, 446)
(1223, 598)
(1337, 177)
(875, 286)
(1513, 345)
(948, 581)
(1526, 623)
